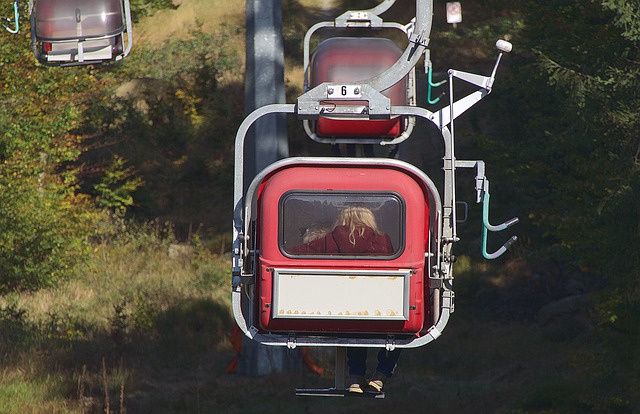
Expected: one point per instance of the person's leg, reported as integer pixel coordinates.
(357, 362)
(387, 361)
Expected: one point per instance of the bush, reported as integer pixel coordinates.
(42, 236)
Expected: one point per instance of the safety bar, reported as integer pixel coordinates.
(127, 14)
(357, 19)
(418, 41)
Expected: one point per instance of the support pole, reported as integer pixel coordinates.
(264, 84)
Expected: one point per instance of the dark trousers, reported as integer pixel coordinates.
(357, 361)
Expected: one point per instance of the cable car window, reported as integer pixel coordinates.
(80, 32)
(72, 19)
(354, 224)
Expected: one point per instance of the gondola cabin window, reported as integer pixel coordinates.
(67, 20)
(342, 225)
(345, 59)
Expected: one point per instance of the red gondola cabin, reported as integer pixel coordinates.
(317, 271)
(351, 59)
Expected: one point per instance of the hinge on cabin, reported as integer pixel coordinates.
(435, 282)
(291, 341)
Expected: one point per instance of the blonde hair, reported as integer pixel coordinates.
(357, 219)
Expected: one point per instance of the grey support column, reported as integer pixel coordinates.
(266, 143)
(264, 84)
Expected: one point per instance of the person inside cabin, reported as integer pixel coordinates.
(313, 232)
(355, 232)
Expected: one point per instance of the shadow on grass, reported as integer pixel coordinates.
(131, 368)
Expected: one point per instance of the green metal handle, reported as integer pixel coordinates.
(16, 19)
(432, 85)
(486, 226)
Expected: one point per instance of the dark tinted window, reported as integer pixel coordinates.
(341, 224)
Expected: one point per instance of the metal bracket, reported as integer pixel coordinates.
(316, 102)
(391, 343)
(358, 19)
(446, 115)
(292, 341)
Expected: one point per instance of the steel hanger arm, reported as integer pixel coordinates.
(447, 114)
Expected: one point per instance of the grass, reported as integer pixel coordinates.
(96, 343)
(210, 15)
(142, 330)
(27, 397)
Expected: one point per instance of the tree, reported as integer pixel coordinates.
(572, 158)
(572, 149)
(44, 224)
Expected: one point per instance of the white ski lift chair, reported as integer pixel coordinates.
(81, 32)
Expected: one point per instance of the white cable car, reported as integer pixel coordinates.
(302, 275)
(80, 32)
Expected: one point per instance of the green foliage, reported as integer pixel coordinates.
(627, 16)
(109, 334)
(142, 8)
(572, 152)
(52, 120)
(115, 189)
(174, 125)
(42, 237)
(44, 225)
(571, 163)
